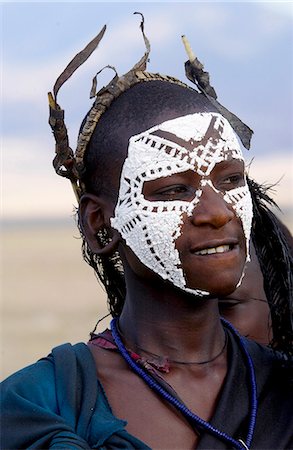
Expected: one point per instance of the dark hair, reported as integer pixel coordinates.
(273, 249)
(136, 110)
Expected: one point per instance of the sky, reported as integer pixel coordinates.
(246, 46)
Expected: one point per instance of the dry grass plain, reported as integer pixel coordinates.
(49, 294)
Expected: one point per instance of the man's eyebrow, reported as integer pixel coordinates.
(174, 138)
(188, 145)
(227, 164)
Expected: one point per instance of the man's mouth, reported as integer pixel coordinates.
(213, 250)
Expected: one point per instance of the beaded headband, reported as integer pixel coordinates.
(71, 165)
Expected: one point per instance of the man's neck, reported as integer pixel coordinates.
(167, 321)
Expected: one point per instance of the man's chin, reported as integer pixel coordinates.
(216, 291)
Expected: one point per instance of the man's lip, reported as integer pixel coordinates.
(215, 243)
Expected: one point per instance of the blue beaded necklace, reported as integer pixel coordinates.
(153, 384)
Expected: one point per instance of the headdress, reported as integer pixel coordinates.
(70, 164)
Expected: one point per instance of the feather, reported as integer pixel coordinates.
(77, 61)
(195, 73)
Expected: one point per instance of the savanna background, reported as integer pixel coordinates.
(49, 295)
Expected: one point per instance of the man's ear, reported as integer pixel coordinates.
(94, 215)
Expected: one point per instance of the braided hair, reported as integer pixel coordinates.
(276, 262)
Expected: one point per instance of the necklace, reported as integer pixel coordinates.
(173, 361)
(153, 384)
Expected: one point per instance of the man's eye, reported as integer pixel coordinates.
(232, 181)
(174, 192)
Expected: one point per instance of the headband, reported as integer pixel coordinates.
(70, 164)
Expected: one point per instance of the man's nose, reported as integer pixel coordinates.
(212, 209)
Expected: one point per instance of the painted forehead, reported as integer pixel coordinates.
(196, 141)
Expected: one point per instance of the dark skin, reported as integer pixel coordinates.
(166, 320)
(247, 308)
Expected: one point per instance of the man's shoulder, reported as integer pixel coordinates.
(49, 399)
(39, 378)
(267, 355)
(274, 383)
(271, 367)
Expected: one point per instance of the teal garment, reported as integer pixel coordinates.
(58, 403)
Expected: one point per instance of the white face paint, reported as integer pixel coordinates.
(150, 228)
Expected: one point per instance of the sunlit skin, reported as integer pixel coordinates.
(167, 320)
(247, 308)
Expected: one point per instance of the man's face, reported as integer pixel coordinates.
(184, 207)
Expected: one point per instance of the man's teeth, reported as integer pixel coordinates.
(210, 251)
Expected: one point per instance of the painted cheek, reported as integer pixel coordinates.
(240, 200)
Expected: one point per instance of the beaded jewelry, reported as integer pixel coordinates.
(239, 444)
(172, 361)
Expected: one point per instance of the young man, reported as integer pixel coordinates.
(166, 214)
